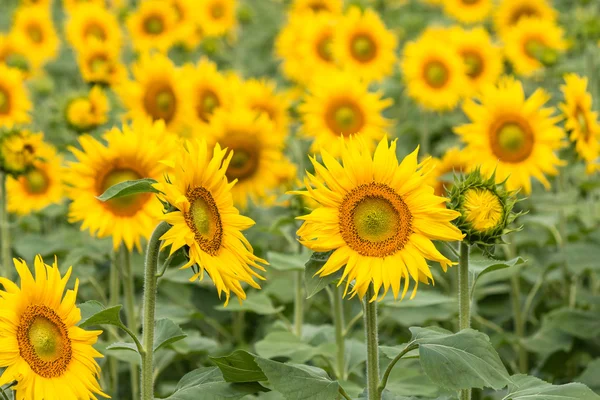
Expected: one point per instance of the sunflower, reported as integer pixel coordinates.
(302, 7)
(13, 53)
(533, 43)
(187, 30)
(206, 221)
(262, 97)
(452, 162)
(34, 25)
(19, 149)
(216, 17)
(342, 105)
(468, 11)
(158, 92)
(152, 26)
(41, 346)
(434, 73)
(377, 216)
(509, 13)
(257, 149)
(93, 23)
(87, 112)
(135, 152)
(99, 63)
(14, 101)
(39, 187)
(72, 6)
(512, 135)
(363, 45)
(581, 121)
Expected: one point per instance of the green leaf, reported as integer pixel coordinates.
(256, 302)
(122, 346)
(582, 257)
(314, 284)
(166, 332)
(427, 306)
(286, 262)
(591, 375)
(299, 382)
(239, 366)
(128, 188)
(89, 308)
(532, 388)
(285, 344)
(577, 323)
(102, 316)
(480, 266)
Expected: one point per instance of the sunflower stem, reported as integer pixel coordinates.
(113, 300)
(129, 289)
(340, 340)
(299, 303)
(372, 345)
(150, 283)
(4, 229)
(464, 300)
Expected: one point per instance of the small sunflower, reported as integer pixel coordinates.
(434, 73)
(14, 100)
(342, 105)
(364, 46)
(468, 11)
(158, 92)
(262, 97)
(206, 221)
(34, 26)
(441, 176)
(41, 346)
(93, 23)
(581, 121)
(18, 150)
(14, 54)
(216, 17)
(39, 187)
(510, 12)
(512, 135)
(135, 152)
(379, 218)
(87, 112)
(187, 29)
(99, 63)
(302, 7)
(533, 43)
(152, 26)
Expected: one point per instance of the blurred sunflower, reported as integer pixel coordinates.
(41, 346)
(152, 26)
(87, 112)
(206, 221)
(135, 152)
(216, 17)
(39, 187)
(41, 3)
(452, 162)
(19, 149)
(99, 63)
(34, 25)
(512, 135)
(187, 30)
(509, 13)
(93, 23)
(262, 97)
(14, 101)
(468, 11)
(73, 5)
(13, 53)
(581, 121)
(338, 105)
(434, 73)
(377, 216)
(302, 7)
(533, 43)
(364, 46)
(158, 92)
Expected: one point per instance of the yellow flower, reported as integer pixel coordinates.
(509, 13)
(14, 101)
(158, 92)
(533, 43)
(73, 5)
(434, 73)
(99, 63)
(216, 17)
(18, 150)
(452, 162)
(13, 53)
(468, 11)
(187, 30)
(93, 23)
(262, 97)
(206, 221)
(512, 135)
(39, 187)
(483, 209)
(135, 152)
(41, 346)
(377, 216)
(34, 25)
(302, 7)
(152, 26)
(581, 121)
(338, 105)
(87, 112)
(364, 46)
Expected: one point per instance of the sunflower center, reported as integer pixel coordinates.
(204, 220)
(482, 209)
(207, 105)
(160, 101)
(436, 74)
(345, 118)
(217, 11)
(324, 48)
(99, 64)
(470, 2)
(523, 11)
(374, 220)
(535, 48)
(474, 64)
(245, 159)
(35, 33)
(44, 341)
(17, 60)
(4, 101)
(318, 6)
(95, 31)
(154, 25)
(36, 181)
(363, 48)
(583, 123)
(265, 108)
(512, 141)
(127, 205)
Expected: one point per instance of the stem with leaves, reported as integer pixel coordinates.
(4, 229)
(371, 335)
(464, 300)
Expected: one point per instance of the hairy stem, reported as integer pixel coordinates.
(340, 340)
(372, 345)
(129, 289)
(464, 300)
(114, 295)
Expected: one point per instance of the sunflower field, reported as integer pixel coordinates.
(300, 199)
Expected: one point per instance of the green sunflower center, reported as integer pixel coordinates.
(474, 64)
(4, 101)
(375, 219)
(583, 123)
(535, 48)
(363, 48)
(160, 101)
(512, 141)
(95, 31)
(217, 11)
(324, 48)
(209, 101)
(127, 205)
(99, 64)
(36, 181)
(436, 74)
(154, 25)
(482, 209)
(245, 160)
(204, 220)
(344, 117)
(35, 33)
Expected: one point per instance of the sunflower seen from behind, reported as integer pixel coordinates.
(152, 26)
(14, 99)
(378, 216)
(93, 23)
(513, 135)
(41, 346)
(206, 222)
(468, 11)
(509, 12)
(34, 25)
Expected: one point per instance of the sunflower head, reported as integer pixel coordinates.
(99, 63)
(86, 112)
(18, 150)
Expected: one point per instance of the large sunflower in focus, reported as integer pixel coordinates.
(513, 135)
(41, 346)
(206, 221)
(262, 97)
(100, 64)
(342, 105)
(93, 23)
(34, 25)
(152, 26)
(379, 218)
(135, 152)
(364, 46)
(510, 12)
(468, 11)
(216, 17)
(14, 101)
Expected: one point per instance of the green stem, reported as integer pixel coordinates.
(386, 375)
(4, 229)
(464, 300)
(519, 321)
(132, 325)
(372, 345)
(150, 281)
(299, 303)
(114, 295)
(340, 340)
(344, 394)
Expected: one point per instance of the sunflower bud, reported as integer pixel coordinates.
(18, 151)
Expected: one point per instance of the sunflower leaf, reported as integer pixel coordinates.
(101, 315)
(532, 388)
(314, 284)
(128, 188)
(122, 346)
(239, 366)
(166, 332)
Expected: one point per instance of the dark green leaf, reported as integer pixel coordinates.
(314, 283)
(122, 346)
(239, 366)
(286, 262)
(128, 188)
(531, 388)
(166, 332)
(104, 316)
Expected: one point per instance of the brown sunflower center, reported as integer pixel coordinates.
(160, 101)
(4, 101)
(245, 159)
(512, 141)
(436, 74)
(217, 10)
(204, 220)
(127, 205)
(523, 11)
(99, 64)
(154, 25)
(363, 48)
(207, 103)
(344, 117)
(318, 6)
(470, 2)
(374, 220)
(473, 63)
(44, 341)
(35, 33)
(36, 181)
(265, 108)
(95, 31)
(324, 48)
